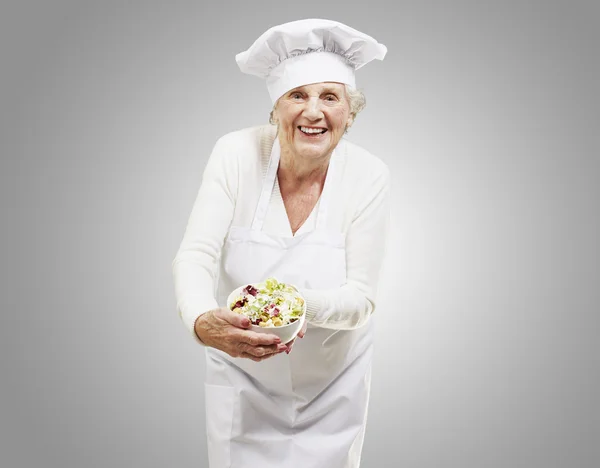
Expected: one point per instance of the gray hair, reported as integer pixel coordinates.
(355, 96)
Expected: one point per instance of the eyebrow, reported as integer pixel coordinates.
(326, 89)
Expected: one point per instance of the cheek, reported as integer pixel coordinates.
(286, 124)
(286, 113)
(339, 117)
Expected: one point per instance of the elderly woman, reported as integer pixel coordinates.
(296, 201)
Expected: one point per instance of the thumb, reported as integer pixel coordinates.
(237, 320)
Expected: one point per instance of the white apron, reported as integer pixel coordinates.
(307, 409)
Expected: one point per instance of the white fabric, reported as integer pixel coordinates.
(306, 409)
(308, 51)
(228, 196)
(306, 69)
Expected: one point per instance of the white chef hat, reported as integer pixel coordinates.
(308, 51)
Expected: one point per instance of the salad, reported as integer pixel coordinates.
(269, 304)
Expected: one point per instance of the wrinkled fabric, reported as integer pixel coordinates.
(307, 409)
(338, 50)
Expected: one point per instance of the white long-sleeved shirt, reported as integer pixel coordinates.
(359, 207)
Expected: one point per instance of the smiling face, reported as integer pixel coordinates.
(312, 119)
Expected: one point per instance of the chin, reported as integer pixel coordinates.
(313, 151)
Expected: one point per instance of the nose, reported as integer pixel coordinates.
(312, 110)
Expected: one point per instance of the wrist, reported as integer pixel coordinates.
(199, 327)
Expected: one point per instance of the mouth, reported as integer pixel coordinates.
(312, 132)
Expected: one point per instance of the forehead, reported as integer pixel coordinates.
(320, 88)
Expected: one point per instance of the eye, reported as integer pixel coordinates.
(331, 98)
(296, 96)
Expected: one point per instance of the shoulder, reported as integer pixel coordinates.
(366, 182)
(362, 164)
(245, 147)
(248, 139)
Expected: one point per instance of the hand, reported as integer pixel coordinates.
(300, 334)
(227, 331)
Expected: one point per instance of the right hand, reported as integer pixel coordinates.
(227, 331)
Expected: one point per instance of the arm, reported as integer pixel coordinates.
(195, 263)
(351, 305)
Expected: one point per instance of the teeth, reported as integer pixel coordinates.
(312, 130)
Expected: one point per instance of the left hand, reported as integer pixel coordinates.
(300, 334)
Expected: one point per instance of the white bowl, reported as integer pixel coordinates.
(285, 332)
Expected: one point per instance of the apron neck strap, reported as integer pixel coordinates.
(269, 184)
(326, 193)
(267, 187)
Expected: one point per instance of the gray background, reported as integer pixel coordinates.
(486, 112)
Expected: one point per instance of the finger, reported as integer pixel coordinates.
(303, 330)
(254, 358)
(237, 320)
(257, 358)
(259, 339)
(260, 351)
(289, 345)
(265, 350)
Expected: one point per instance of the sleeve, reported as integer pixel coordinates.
(195, 264)
(351, 305)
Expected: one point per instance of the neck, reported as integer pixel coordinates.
(296, 170)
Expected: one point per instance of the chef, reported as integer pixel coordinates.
(295, 200)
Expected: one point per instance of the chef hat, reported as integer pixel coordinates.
(308, 51)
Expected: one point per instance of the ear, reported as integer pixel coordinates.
(350, 121)
(274, 115)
